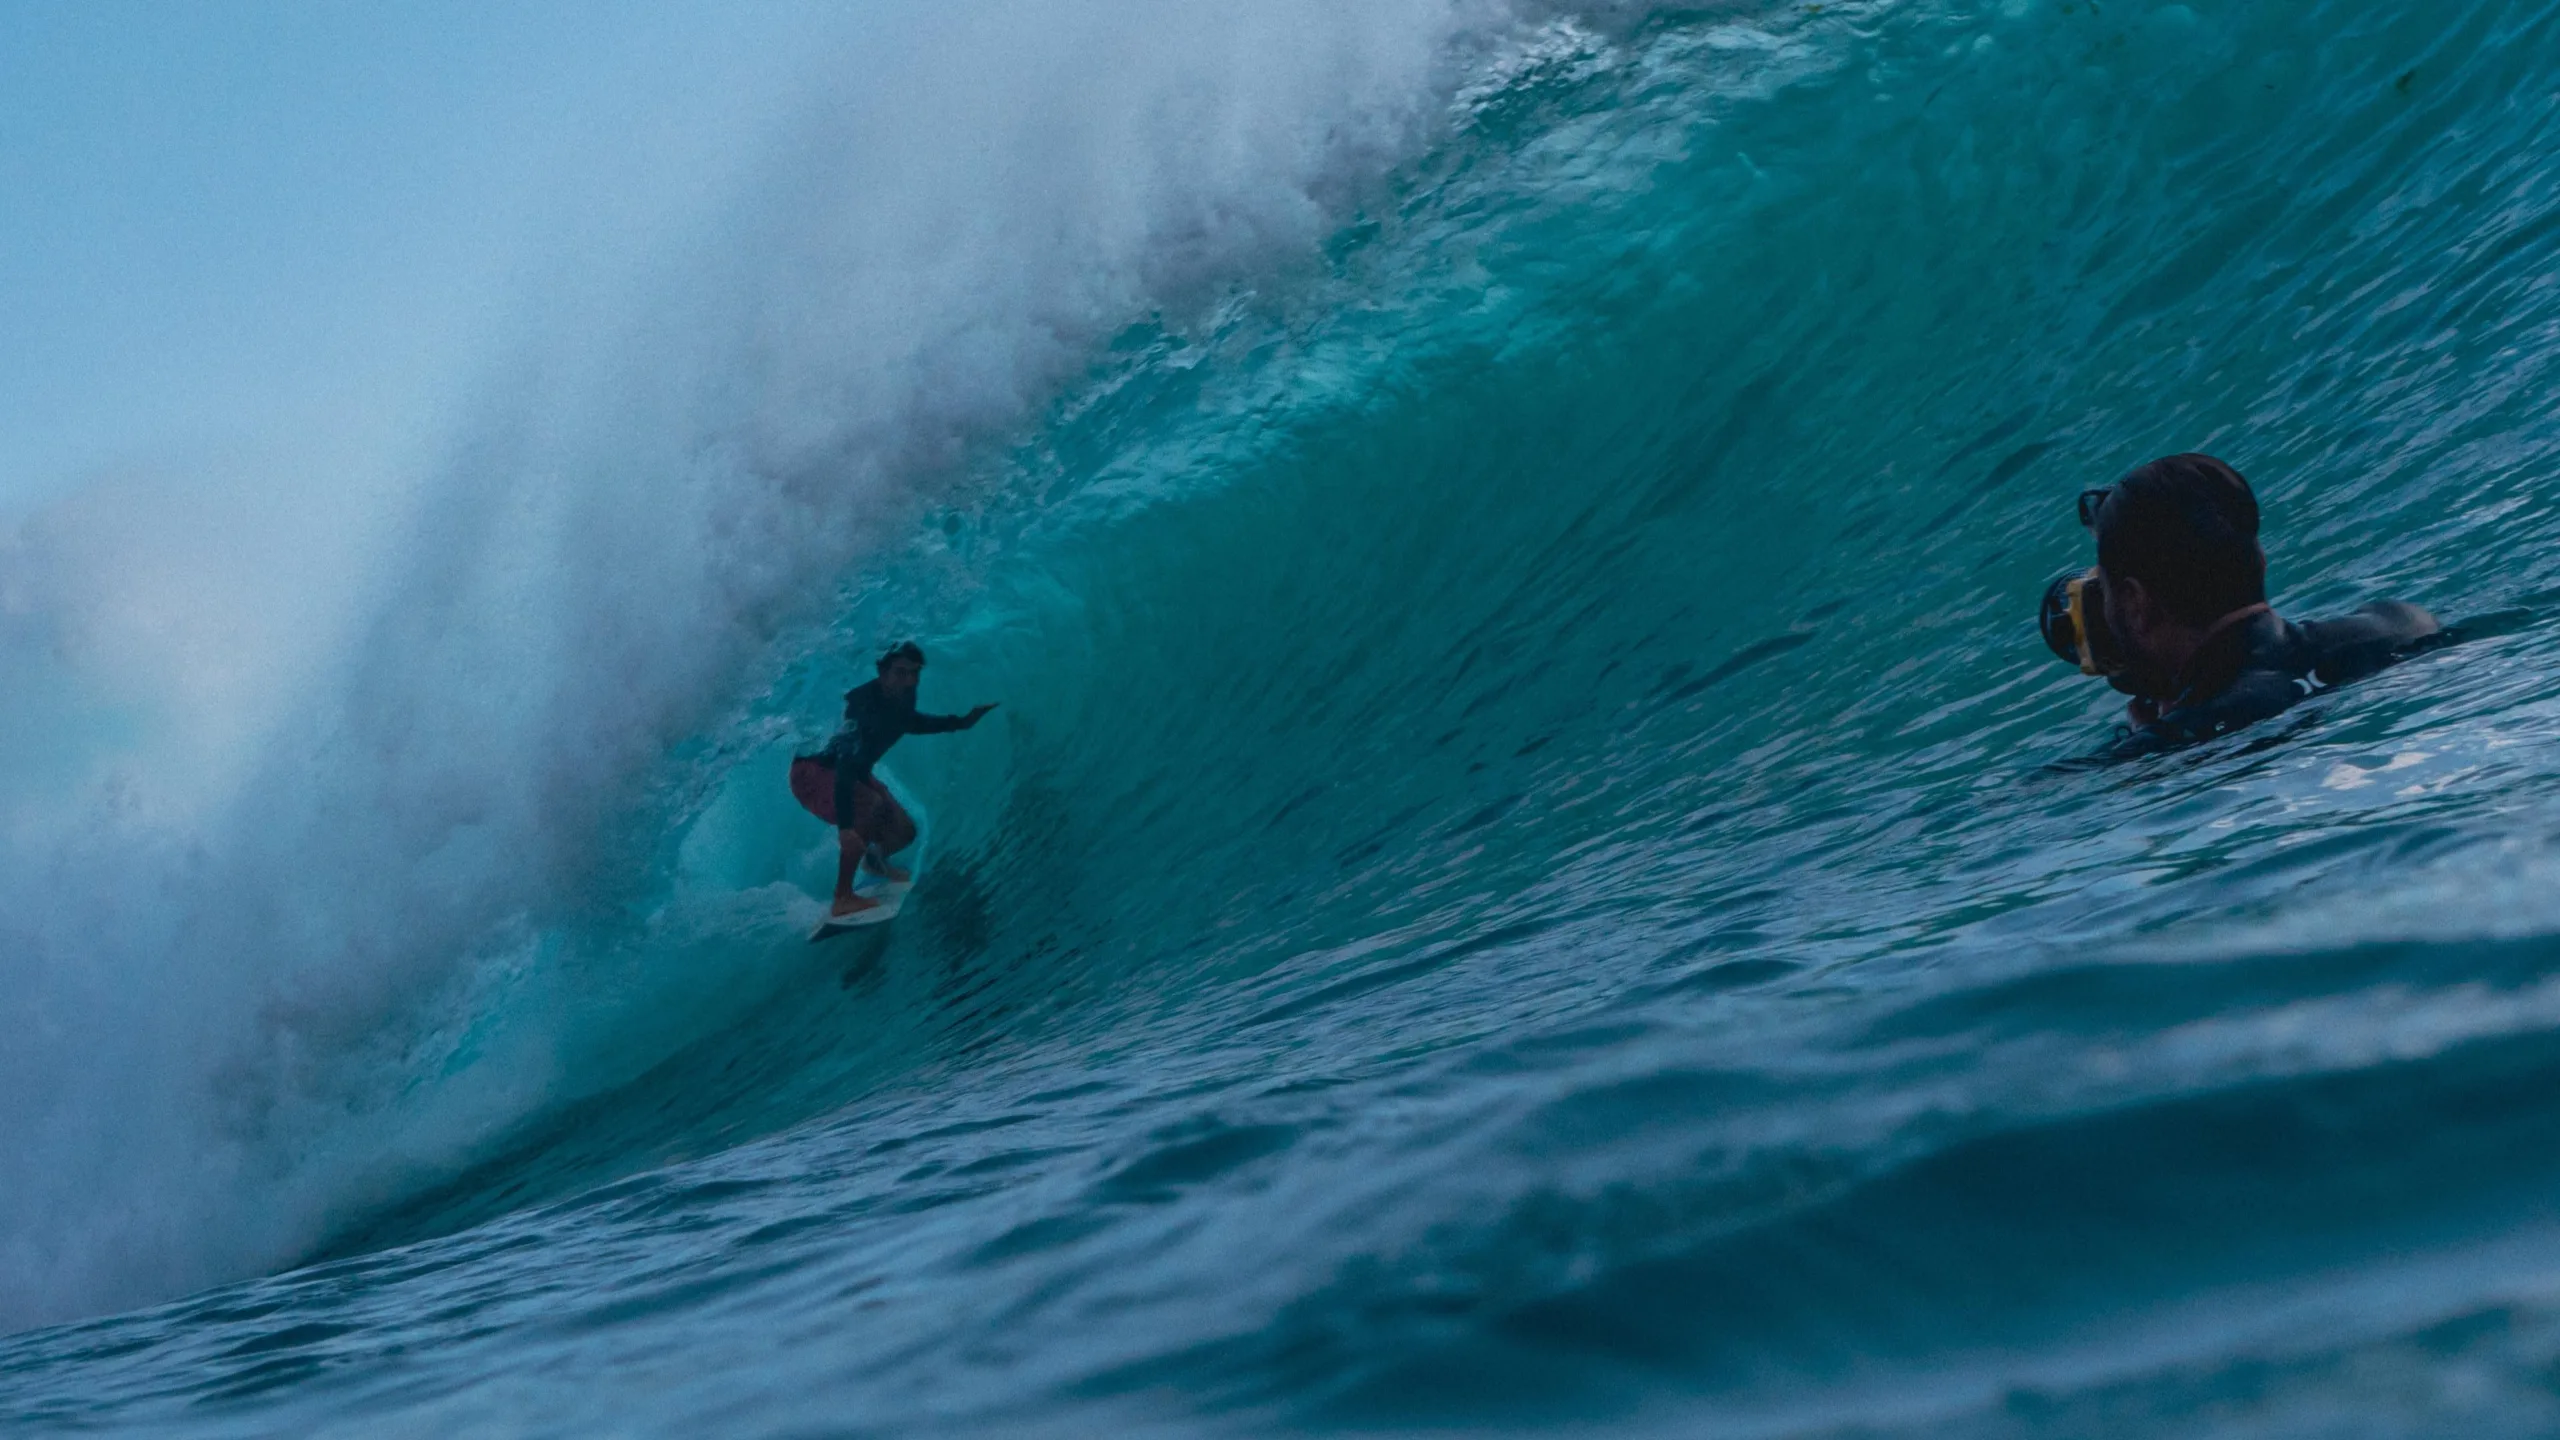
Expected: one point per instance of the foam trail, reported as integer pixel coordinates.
(212, 1059)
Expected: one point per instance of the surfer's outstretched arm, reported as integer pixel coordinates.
(924, 724)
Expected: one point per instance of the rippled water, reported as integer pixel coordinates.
(1526, 875)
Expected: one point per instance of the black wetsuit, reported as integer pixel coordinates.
(872, 723)
(2262, 665)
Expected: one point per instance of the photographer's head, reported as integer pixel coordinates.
(2178, 557)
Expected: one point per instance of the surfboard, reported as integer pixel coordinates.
(892, 897)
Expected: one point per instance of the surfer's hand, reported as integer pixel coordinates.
(978, 714)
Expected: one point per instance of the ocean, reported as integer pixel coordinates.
(1532, 874)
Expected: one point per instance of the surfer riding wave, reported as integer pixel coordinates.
(837, 785)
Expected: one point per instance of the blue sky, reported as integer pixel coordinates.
(255, 227)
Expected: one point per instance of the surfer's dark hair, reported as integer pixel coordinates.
(2187, 527)
(903, 650)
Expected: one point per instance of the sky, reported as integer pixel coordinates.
(245, 232)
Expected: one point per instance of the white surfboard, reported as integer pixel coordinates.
(891, 894)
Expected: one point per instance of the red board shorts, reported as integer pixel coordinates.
(877, 816)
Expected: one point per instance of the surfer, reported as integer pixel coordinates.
(870, 824)
(2175, 611)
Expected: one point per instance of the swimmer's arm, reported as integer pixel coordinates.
(2354, 646)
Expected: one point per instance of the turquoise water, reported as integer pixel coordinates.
(1526, 875)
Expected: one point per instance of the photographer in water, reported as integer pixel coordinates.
(2175, 612)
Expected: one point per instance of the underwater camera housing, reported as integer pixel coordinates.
(2073, 618)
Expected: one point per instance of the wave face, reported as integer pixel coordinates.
(1522, 877)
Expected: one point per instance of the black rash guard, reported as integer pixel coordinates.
(872, 723)
(2262, 665)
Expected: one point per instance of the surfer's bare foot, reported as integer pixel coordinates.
(893, 874)
(850, 904)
